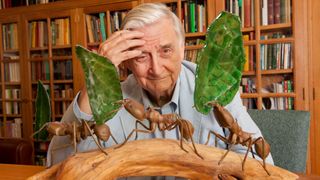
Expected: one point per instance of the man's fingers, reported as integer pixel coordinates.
(126, 55)
(119, 36)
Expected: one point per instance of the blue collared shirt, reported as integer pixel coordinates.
(182, 103)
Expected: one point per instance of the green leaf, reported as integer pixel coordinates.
(220, 63)
(103, 84)
(43, 111)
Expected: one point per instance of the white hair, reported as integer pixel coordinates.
(148, 13)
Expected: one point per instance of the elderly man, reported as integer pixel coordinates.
(151, 44)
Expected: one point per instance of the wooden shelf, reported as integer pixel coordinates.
(279, 40)
(196, 34)
(38, 49)
(274, 27)
(193, 47)
(278, 71)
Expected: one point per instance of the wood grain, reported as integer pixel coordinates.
(160, 157)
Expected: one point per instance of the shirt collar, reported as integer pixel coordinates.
(174, 100)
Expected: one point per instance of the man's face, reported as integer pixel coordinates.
(158, 67)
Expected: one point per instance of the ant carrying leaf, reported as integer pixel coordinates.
(220, 65)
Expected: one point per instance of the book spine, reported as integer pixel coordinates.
(102, 26)
(276, 11)
(270, 12)
(192, 17)
(247, 13)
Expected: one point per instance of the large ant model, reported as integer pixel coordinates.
(238, 136)
(163, 122)
(79, 131)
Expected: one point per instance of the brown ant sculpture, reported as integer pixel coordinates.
(79, 131)
(163, 122)
(238, 136)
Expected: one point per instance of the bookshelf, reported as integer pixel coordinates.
(101, 22)
(11, 115)
(16, 3)
(49, 59)
(270, 74)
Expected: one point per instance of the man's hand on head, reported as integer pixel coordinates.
(120, 46)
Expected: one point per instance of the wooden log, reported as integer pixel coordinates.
(161, 157)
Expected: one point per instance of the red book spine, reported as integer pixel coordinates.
(270, 12)
(276, 12)
(247, 13)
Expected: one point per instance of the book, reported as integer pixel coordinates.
(247, 13)
(276, 9)
(264, 10)
(270, 12)
(247, 54)
(192, 17)
(102, 26)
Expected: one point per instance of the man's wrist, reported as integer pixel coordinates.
(79, 113)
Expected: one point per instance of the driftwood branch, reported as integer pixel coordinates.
(160, 157)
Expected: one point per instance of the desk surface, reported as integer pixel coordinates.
(13, 171)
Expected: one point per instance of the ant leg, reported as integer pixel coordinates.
(225, 154)
(181, 135)
(227, 142)
(135, 130)
(139, 122)
(263, 148)
(74, 137)
(194, 147)
(114, 139)
(95, 140)
(252, 152)
(216, 138)
(249, 146)
(45, 125)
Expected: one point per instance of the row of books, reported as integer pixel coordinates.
(193, 42)
(61, 107)
(283, 103)
(191, 55)
(247, 85)
(12, 128)
(242, 8)
(12, 72)
(276, 56)
(62, 70)
(40, 70)
(116, 19)
(249, 53)
(60, 29)
(250, 103)
(194, 16)
(63, 93)
(16, 3)
(275, 11)
(10, 36)
(60, 90)
(96, 28)
(38, 32)
(13, 107)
